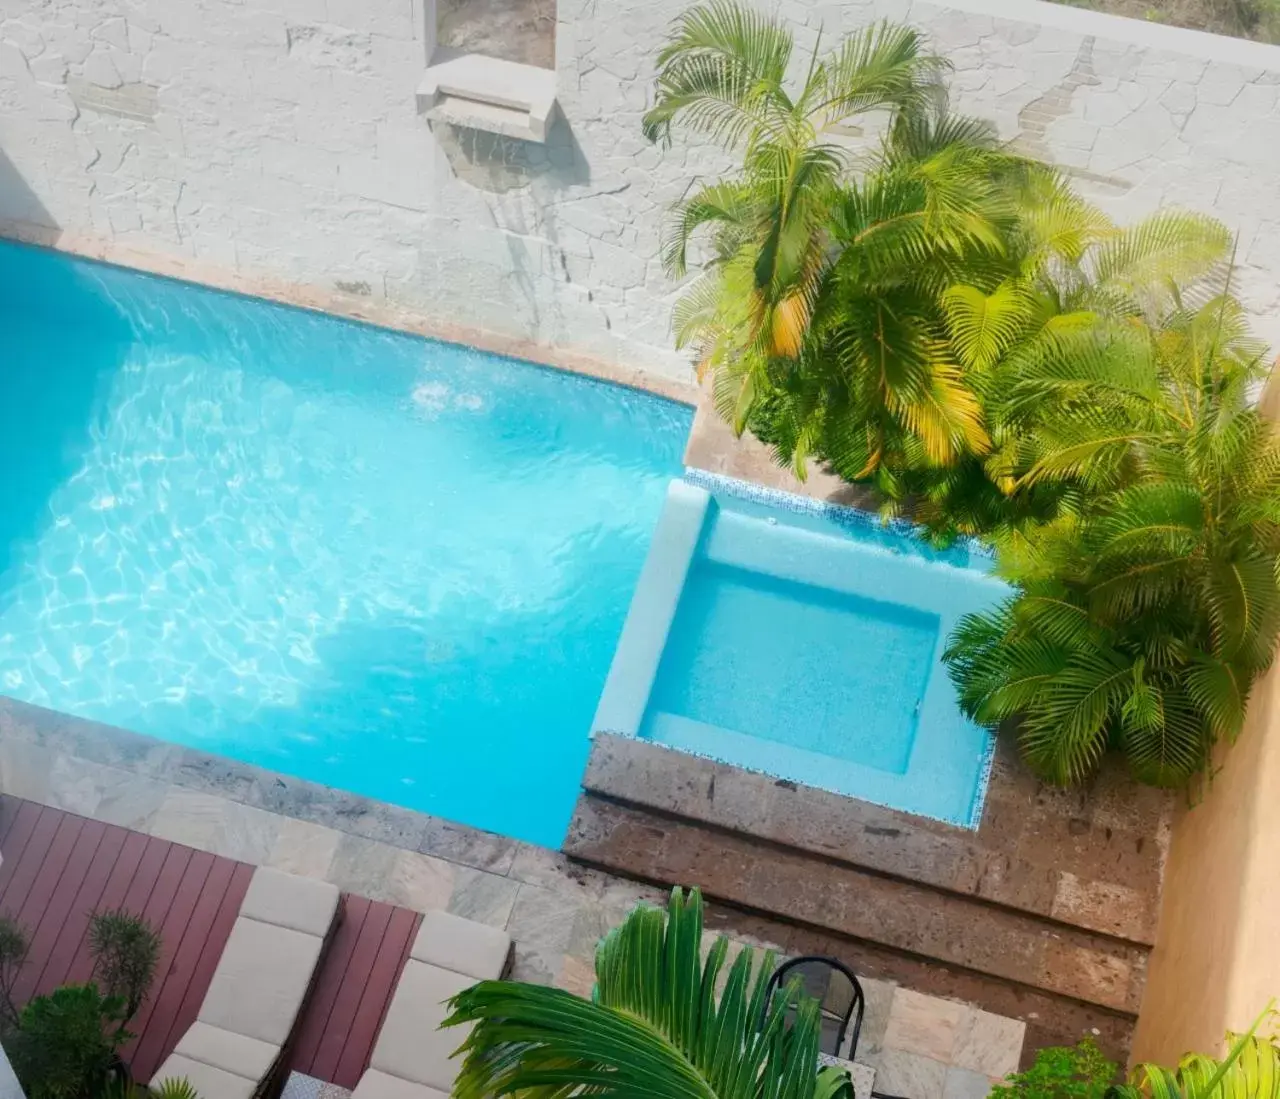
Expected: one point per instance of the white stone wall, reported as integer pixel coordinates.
(280, 139)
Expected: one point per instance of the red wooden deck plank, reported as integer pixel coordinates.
(172, 930)
(379, 981)
(347, 1001)
(9, 807)
(202, 972)
(313, 1026)
(16, 839)
(140, 856)
(29, 910)
(45, 928)
(31, 860)
(19, 828)
(80, 907)
(173, 981)
(159, 899)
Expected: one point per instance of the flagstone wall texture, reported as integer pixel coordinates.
(279, 139)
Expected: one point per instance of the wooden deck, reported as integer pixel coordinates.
(58, 868)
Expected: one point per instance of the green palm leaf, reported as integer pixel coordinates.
(721, 71)
(984, 326)
(1170, 249)
(1219, 690)
(881, 66)
(655, 1028)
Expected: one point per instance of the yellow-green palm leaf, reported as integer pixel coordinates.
(1251, 1070)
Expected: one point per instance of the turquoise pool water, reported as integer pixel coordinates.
(803, 641)
(391, 565)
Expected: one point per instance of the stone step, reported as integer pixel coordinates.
(917, 919)
(1041, 916)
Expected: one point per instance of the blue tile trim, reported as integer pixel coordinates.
(845, 515)
(984, 784)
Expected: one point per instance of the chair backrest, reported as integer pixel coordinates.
(836, 988)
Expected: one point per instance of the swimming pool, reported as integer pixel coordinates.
(383, 563)
(803, 640)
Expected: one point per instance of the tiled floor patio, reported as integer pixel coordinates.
(922, 1046)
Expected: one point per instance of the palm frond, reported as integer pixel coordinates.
(1144, 263)
(984, 326)
(655, 1026)
(880, 67)
(721, 72)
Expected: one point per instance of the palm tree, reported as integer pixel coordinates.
(781, 229)
(1024, 333)
(1150, 603)
(654, 1029)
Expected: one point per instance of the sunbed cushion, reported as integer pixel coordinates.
(209, 1082)
(473, 949)
(261, 979)
(303, 904)
(222, 1049)
(378, 1085)
(409, 1045)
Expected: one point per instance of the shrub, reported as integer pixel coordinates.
(13, 955)
(125, 951)
(1061, 1072)
(66, 1043)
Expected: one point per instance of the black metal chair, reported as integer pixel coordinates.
(836, 988)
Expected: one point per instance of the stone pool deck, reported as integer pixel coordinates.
(922, 1046)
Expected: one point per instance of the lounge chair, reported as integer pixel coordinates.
(412, 1057)
(235, 1045)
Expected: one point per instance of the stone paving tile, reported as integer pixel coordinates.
(577, 976)
(469, 846)
(988, 1044)
(64, 734)
(214, 824)
(592, 922)
(420, 882)
(544, 918)
(196, 770)
(961, 1083)
(76, 785)
(485, 898)
(542, 866)
(910, 1075)
(536, 965)
(362, 866)
(26, 769)
(104, 792)
(304, 848)
(128, 800)
(923, 1024)
(878, 1000)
